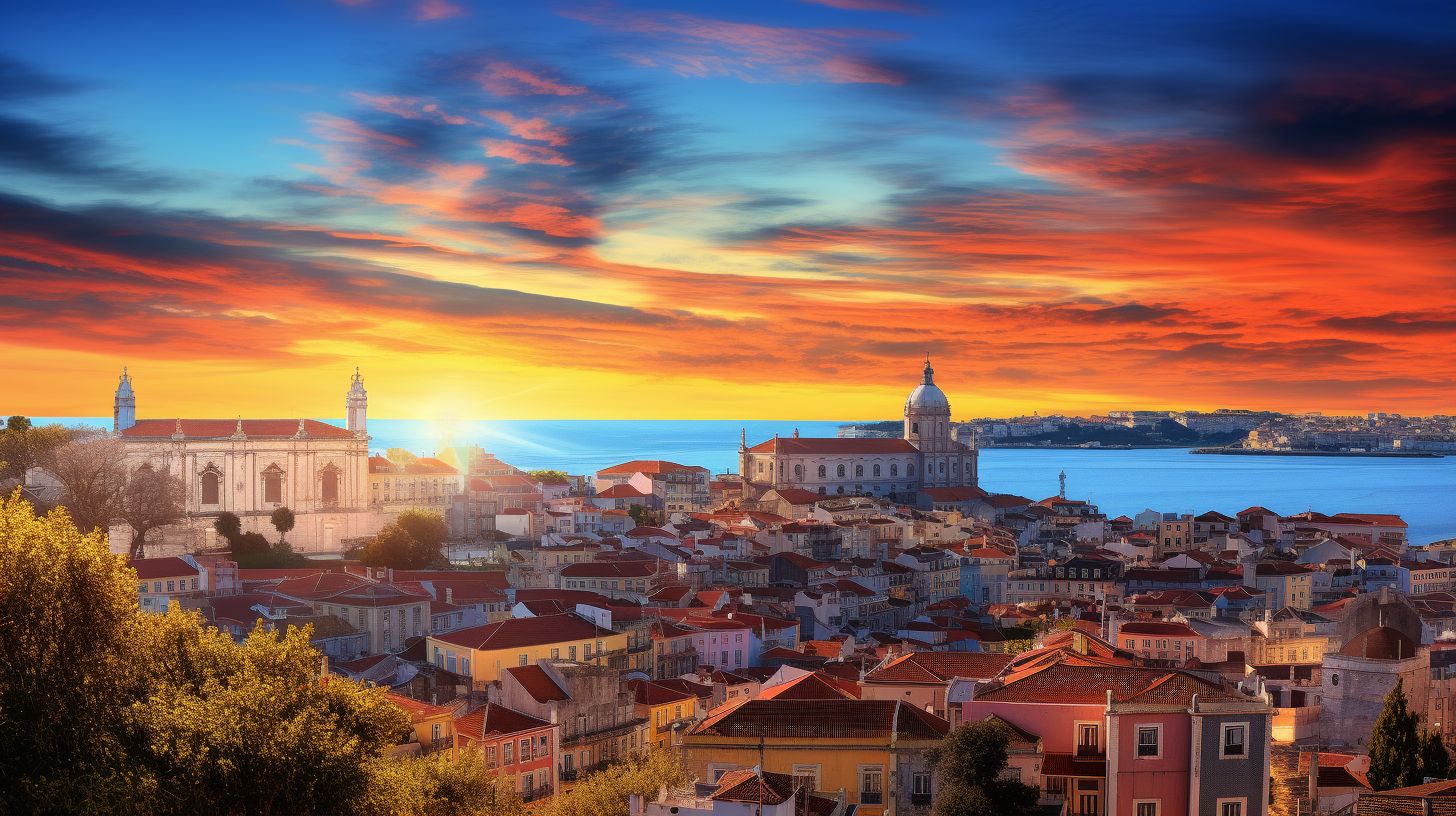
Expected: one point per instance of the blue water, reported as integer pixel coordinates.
(1422, 491)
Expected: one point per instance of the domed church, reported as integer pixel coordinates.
(926, 455)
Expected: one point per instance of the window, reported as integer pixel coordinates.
(556, 653)
(273, 484)
(525, 749)
(1144, 808)
(1087, 742)
(807, 775)
(859, 471)
(877, 471)
(1232, 745)
(524, 660)
(798, 473)
(822, 471)
(1149, 741)
(920, 784)
(508, 753)
(329, 485)
(211, 486)
(1231, 807)
(894, 470)
(871, 780)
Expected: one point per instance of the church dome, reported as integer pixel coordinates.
(927, 396)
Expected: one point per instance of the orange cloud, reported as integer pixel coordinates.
(523, 153)
(534, 128)
(506, 79)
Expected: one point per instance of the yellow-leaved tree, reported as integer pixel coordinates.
(605, 793)
(107, 710)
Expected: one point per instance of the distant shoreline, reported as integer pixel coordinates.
(1275, 452)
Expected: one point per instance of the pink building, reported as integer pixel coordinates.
(1117, 736)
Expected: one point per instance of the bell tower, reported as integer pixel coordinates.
(123, 408)
(356, 404)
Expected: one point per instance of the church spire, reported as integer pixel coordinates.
(356, 405)
(123, 408)
(929, 372)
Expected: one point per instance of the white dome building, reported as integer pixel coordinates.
(926, 456)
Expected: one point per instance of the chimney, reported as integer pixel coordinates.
(449, 595)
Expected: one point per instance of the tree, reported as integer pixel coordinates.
(106, 710)
(66, 604)
(549, 476)
(606, 792)
(641, 515)
(152, 498)
(969, 764)
(282, 519)
(228, 525)
(1395, 745)
(1435, 757)
(92, 473)
(393, 547)
(24, 446)
(428, 530)
(400, 457)
(438, 786)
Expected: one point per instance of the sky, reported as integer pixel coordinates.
(562, 209)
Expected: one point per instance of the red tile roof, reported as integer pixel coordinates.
(517, 632)
(743, 785)
(833, 445)
(222, 428)
(417, 709)
(652, 466)
(171, 567)
(493, 719)
(812, 686)
(939, 667)
(538, 683)
(622, 491)
(823, 719)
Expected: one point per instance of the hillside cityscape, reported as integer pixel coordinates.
(676, 640)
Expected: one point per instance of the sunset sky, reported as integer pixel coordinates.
(565, 209)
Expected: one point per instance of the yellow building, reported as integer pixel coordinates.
(483, 652)
(873, 750)
(434, 727)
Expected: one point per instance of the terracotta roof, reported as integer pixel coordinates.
(517, 632)
(798, 495)
(654, 692)
(610, 569)
(622, 491)
(953, 494)
(823, 719)
(1078, 679)
(417, 709)
(494, 719)
(171, 567)
(743, 785)
(812, 686)
(538, 683)
(833, 445)
(939, 667)
(223, 428)
(651, 466)
(1157, 629)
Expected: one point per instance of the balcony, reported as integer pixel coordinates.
(920, 799)
(442, 744)
(533, 794)
(871, 797)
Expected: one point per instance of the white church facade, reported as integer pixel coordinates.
(926, 455)
(251, 467)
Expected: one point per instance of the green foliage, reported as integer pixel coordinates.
(283, 520)
(400, 456)
(24, 446)
(106, 710)
(550, 476)
(436, 786)
(969, 764)
(605, 792)
(228, 525)
(641, 515)
(1395, 744)
(1435, 757)
(396, 546)
(250, 544)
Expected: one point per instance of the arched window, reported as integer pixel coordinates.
(798, 473)
(942, 467)
(273, 484)
(840, 490)
(329, 485)
(841, 471)
(859, 471)
(915, 427)
(877, 471)
(822, 472)
(909, 470)
(955, 466)
(211, 486)
(894, 470)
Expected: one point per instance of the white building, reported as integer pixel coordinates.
(251, 467)
(925, 456)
